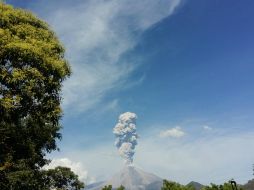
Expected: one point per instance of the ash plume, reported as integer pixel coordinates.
(126, 136)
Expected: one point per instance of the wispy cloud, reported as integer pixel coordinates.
(175, 132)
(207, 128)
(97, 34)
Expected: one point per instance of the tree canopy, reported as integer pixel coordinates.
(169, 185)
(32, 69)
(225, 186)
(109, 187)
(62, 178)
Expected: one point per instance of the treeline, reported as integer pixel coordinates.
(168, 185)
(109, 187)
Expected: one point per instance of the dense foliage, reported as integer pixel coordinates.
(62, 178)
(169, 185)
(121, 188)
(225, 186)
(109, 187)
(32, 69)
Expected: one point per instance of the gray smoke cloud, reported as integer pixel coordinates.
(126, 136)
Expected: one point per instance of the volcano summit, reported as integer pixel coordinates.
(131, 178)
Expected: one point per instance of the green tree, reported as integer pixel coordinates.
(109, 187)
(120, 188)
(225, 186)
(213, 187)
(169, 185)
(62, 178)
(32, 69)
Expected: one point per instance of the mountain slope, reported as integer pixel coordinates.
(196, 185)
(249, 185)
(133, 178)
(94, 185)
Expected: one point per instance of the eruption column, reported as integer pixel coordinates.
(126, 136)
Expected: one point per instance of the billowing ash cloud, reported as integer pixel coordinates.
(126, 136)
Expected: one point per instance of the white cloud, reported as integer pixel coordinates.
(97, 34)
(175, 132)
(102, 161)
(207, 128)
(76, 167)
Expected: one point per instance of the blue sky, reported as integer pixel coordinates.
(182, 66)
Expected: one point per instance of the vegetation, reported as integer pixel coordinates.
(168, 185)
(121, 188)
(109, 187)
(62, 178)
(225, 186)
(32, 69)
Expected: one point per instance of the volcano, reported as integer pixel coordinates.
(131, 178)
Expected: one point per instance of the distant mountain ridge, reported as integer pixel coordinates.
(94, 185)
(196, 185)
(249, 185)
